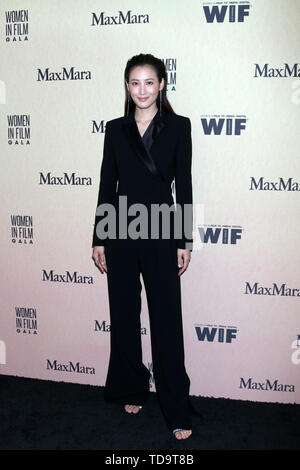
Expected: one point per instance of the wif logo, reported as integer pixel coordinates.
(2, 352)
(231, 13)
(224, 234)
(221, 334)
(223, 124)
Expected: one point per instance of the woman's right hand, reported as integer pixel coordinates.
(99, 258)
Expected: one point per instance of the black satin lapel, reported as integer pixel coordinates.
(158, 127)
(139, 148)
(153, 167)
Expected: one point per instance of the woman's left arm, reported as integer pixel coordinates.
(183, 185)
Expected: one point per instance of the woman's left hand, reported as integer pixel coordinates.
(183, 260)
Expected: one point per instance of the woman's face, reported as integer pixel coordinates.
(144, 86)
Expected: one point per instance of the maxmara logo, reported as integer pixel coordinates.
(98, 127)
(261, 184)
(232, 13)
(66, 278)
(70, 74)
(70, 367)
(282, 290)
(281, 72)
(105, 327)
(121, 18)
(274, 386)
(220, 234)
(225, 124)
(65, 179)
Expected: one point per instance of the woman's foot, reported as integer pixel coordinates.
(133, 408)
(182, 433)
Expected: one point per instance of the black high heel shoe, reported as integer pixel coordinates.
(184, 430)
(194, 411)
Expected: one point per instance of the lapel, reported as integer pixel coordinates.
(135, 139)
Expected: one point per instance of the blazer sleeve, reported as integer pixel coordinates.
(183, 185)
(108, 182)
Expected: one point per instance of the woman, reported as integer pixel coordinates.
(143, 152)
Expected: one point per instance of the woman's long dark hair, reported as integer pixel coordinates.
(160, 70)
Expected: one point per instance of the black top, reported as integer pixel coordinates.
(148, 135)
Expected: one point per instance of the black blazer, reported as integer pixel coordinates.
(143, 170)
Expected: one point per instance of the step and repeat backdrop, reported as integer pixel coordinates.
(233, 69)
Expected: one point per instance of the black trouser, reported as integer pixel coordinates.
(128, 378)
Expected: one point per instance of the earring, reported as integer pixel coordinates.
(160, 100)
(128, 100)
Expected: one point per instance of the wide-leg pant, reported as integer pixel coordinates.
(127, 379)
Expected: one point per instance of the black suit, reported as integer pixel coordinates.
(142, 169)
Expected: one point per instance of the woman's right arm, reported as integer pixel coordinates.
(107, 186)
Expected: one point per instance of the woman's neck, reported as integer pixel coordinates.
(145, 115)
